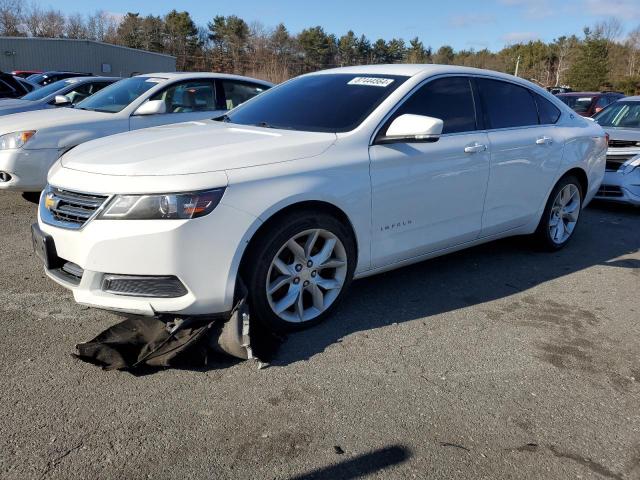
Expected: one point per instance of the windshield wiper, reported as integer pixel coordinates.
(223, 118)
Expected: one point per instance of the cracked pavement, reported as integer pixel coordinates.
(496, 362)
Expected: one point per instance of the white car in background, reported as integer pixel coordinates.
(63, 93)
(333, 175)
(31, 142)
(621, 120)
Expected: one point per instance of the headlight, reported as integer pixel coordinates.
(15, 140)
(172, 206)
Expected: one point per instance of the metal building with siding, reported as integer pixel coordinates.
(79, 56)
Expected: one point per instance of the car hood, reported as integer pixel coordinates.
(193, 147)
(55, 118)
(623, 133)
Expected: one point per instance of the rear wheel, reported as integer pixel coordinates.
(299, 270)
(561, 214)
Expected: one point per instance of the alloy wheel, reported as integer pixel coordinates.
(307, 275)
(564, 214)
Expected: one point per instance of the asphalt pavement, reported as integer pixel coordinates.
(496, 362)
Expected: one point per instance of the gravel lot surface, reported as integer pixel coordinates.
(497, 362)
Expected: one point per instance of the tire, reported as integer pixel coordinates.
(263, 272)
(553, 239)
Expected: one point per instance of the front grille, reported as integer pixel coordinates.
(143, 286)
(609, 191)
(624, 143)
(614, 162)
(68, 209)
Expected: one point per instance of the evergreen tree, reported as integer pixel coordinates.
(590, 69)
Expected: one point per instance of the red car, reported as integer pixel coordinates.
(588, 104)
(24, 73)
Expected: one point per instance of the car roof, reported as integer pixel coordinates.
(635, 98)
(427, 70)
(411, 70)
(593, 94)
(195, 75)
(50, 72)
(91, 79)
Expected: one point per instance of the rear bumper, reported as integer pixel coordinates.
(26, 170)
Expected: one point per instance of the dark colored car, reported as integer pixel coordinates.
(12, 87)
(46, 78)
(558, 90)
(588, 104)
(25, 73)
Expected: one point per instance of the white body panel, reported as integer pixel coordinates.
(433, 197)
(412, 183)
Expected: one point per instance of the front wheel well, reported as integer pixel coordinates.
(313, 207)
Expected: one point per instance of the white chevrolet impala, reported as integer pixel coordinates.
(331, 176)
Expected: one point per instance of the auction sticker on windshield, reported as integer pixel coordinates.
(371, 81)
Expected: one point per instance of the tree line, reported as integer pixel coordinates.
(603, 56)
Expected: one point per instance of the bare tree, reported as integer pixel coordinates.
(633, 44)
(103, 27)
(76, 27)
(610, 29)
(11, 18)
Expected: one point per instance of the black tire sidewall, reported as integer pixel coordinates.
(268, 245)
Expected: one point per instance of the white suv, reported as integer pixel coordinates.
(31, 142)
(333, 175)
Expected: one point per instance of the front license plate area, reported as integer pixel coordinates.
(45, 248)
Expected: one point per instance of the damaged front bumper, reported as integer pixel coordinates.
(151, 267)
(623, 184)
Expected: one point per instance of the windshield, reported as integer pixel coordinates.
(117, 96)
(579, 104)
(620, 114)
(43, 92)
(37, 77)
(317, 103)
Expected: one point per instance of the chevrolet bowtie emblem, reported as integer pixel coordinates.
(50, 201)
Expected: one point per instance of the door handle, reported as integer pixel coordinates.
(544, 141)
(475, 148)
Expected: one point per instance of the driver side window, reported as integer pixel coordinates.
(450, 99)
(188, 97)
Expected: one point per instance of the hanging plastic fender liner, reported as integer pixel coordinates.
(139, 343)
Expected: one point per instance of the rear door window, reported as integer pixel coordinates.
(450, 99)
(237, 92)
(507, 105)
(547, 111)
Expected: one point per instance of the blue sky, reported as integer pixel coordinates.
(463, 24)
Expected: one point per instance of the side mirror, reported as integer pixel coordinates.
(152, 107)
(412, 129)
(61, 100)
